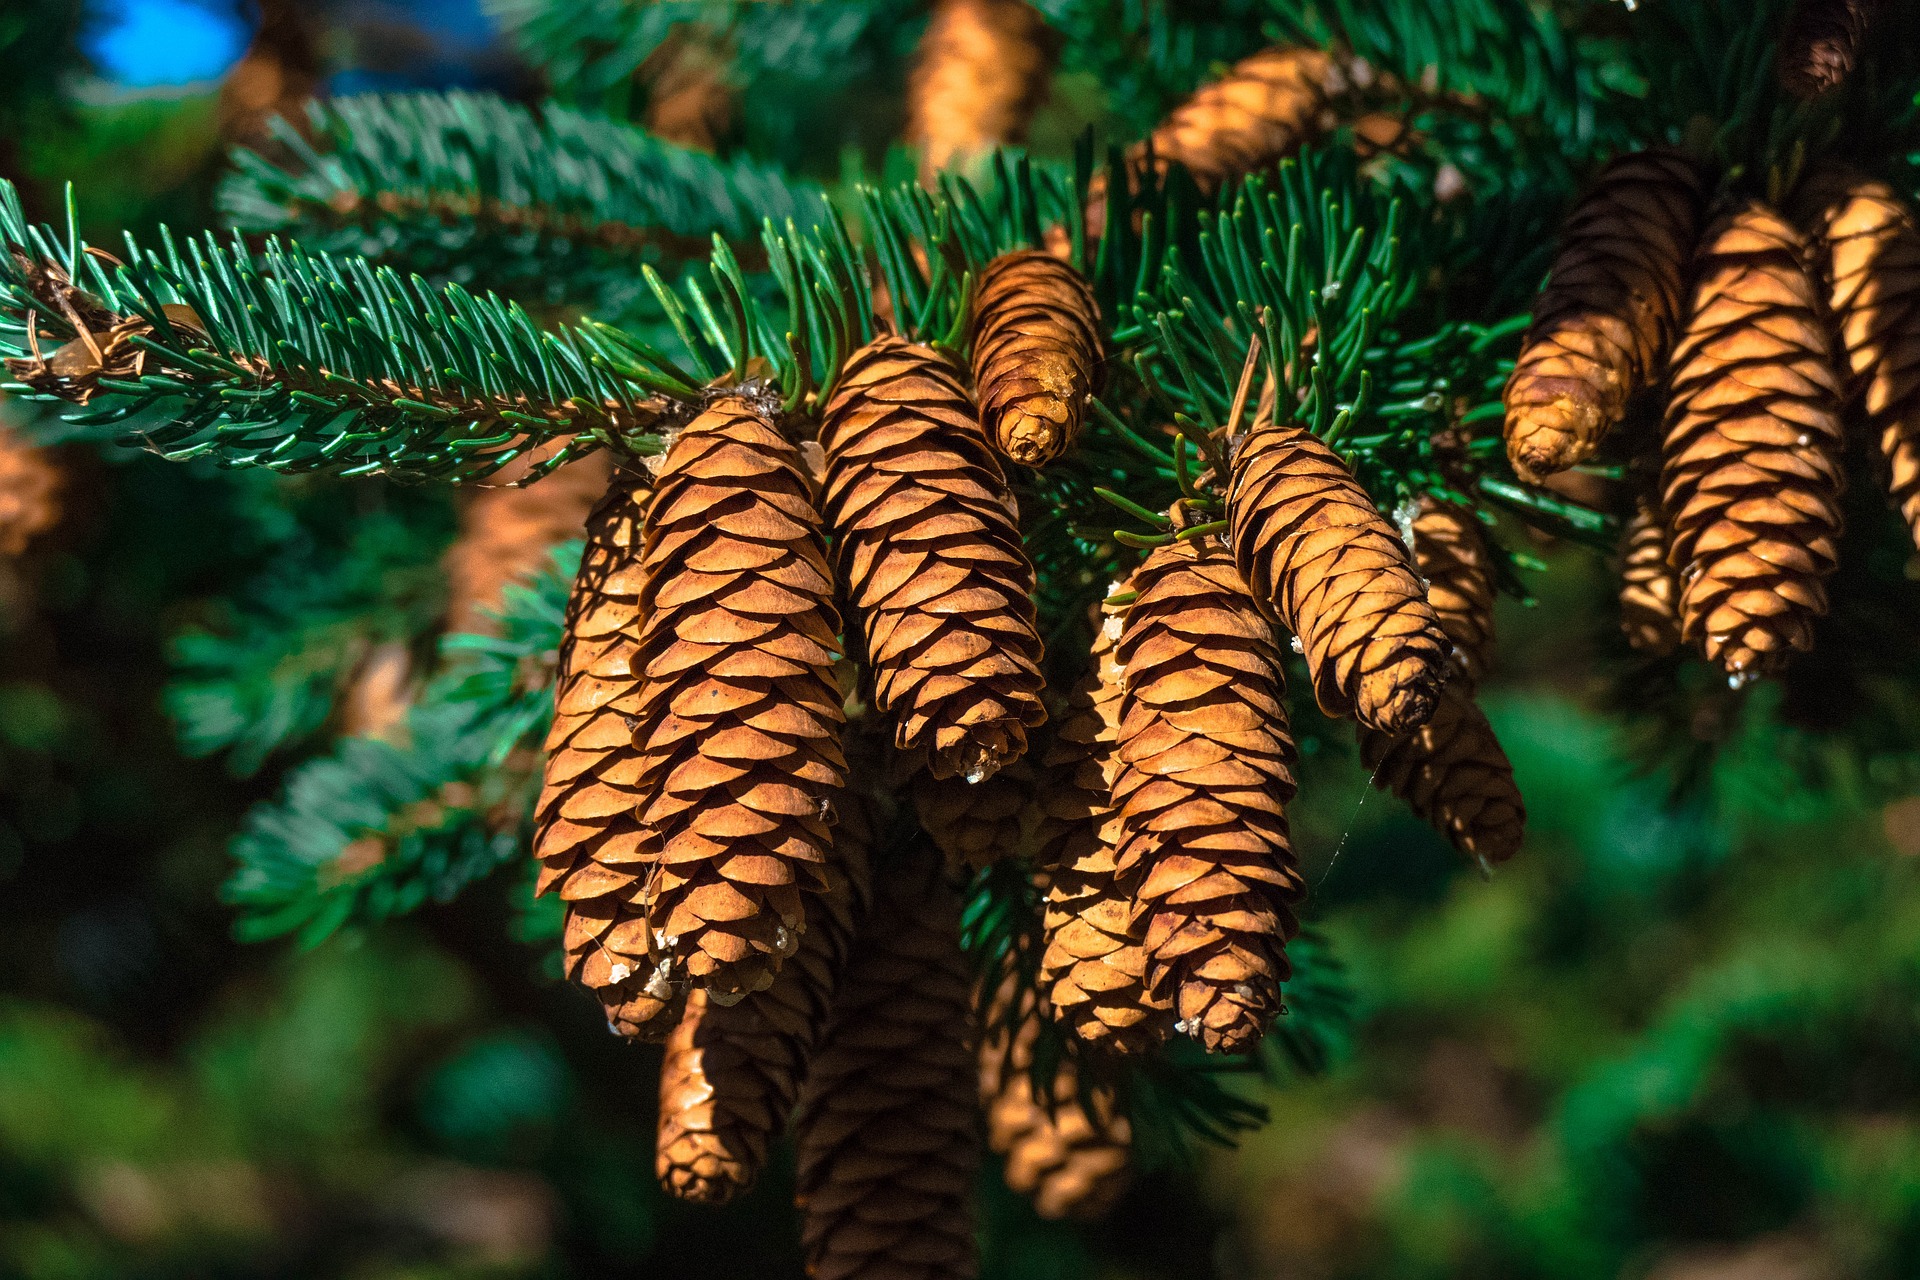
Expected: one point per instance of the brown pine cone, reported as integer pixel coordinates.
(980, 73)
(1036, 347)
(732, 1072)
(31, 485)
(1068, 1151)
(1452, 554)
(1075, 783)
(928, 547)
(1262, 111)
(507, 533)
(276, 77)
(1317, 551)
(379, 694)
(689, 101)
(740, 717)
(1868, 250)
(1602, 327)
(1751, 475)
(889, 1134)
(1822, 43)
(975, 824)
(1206, 766)
(1453, 775)
(1649, 597)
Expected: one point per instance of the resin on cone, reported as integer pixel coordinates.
(507, 533)
(981, 71)
(1649, 596)
(928, 547)
(1607, 318)
(1451, 553)
(1036, 347)
(1315, 549)
(1822, 43)
(1455, 777)
(1751, 475)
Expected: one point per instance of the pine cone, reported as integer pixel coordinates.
(975, 824)
(1752, 476)
(889, 1140)
(1068, 1151)
(689, 101)
(506, 534)
(1602, 328)
(740, 717)
(929, 551)
(1262, 111)
(379, 694)
(1822, 44)
(1075, 776)
(732, 1072)
(1036, 346)
(1453, 775)
(981, 71)
(1868, 250)
(1206, 766)
(1314, 548)
(31, 484)
(1452, 554)
(1649, 597)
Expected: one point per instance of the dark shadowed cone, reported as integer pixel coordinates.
(981, 70)
(732, 1072)
(1068, 1152)
(1454, 776)
(888, 1131)
(1649, 597)
(1076, 770)
(1822, 42)
(506, 534)
(1036, 346)
(929, 550)
(975, 824)
(1314, 547)
(1751, 474)
(1205, 768)
(31, 485)
(1603, 325)
(1262, 111)
(740, 716)
(276, 77)
(1452, 554)
(689, 101)
(1868, 250)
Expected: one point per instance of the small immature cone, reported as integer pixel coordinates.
(1206, 768)
(1036, 346)
(888, 1130)
(1317, 551)
(980, 73)
(1751, 474)
(1452, 554)
(928, 547)
(1454, 776)
(739, 718)
(31, 485)
(1259, 113)
(1649, 596)
(1603, 325)
(506, 535)
(1822, 43)
(975, 824)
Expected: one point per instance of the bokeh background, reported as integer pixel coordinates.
(1677, 1038)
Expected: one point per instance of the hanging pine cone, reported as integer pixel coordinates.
(889, 1140)
(1067, 1150)
(1262, 111)
(1602, 327)
(1452, 554)
(980, 73)
(1822, 44)
(1868, 250)
(689, 101)
(929, 549)
(1751, 476)
(975, 824)
(1036, 345)
(1452, 773)
(732, 1072)
(1206, 766)
(1075, 782)
(30, 491)
(739, 720)
(1313, 547)
(1649, 597)
(506, 534)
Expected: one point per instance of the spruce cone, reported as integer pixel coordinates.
(30, 491)
(1313, 547)
(1602, 328)
(888, 1132)
(1075, 776)
(1453, 775)
(689, 101)
(507, 533)
(732, 1072)
(1649, 597)
(1259, 113)
(1036, 345)
(1752, 472)
(981, 71)
(1452, 554)
(1822, 43)
(1869, 253)
(929, 551)
(975, 824)
(739, 719)
(1206, 764)
(1066, 1151)
(379, 694)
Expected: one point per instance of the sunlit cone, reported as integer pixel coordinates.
(1262, 111)
(981, 71)
(1751, 474)
(1451, 553)
(888, 1127)
(929, 551)
(975, 824)
(31, 488)
(1068, 1149)
(1822, 43)
(1602, 327)
(1205, 768)
(732, 1073)
(1314, 547)
(1455, 777)
(739, 718)
(1036, 346)
(1649, 596)
(507, 533)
